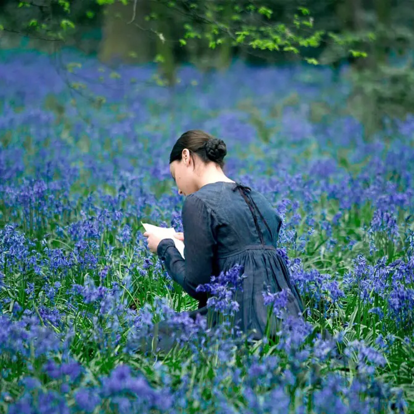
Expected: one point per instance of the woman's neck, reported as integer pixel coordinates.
(212, 176)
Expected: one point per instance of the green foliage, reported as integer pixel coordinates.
(67, 24)
(356, 53)
(265, 11)
(382, 95)
(273, 36)
(65, 5)
(211, 24)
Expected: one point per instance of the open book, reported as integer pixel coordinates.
(165, 233)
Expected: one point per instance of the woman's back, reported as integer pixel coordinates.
(227, 224)
(234, 221)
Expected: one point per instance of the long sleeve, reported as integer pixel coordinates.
(200, 244)
(279, 223)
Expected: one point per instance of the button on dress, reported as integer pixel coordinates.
(225, 224)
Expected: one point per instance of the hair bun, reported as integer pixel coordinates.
(216, 149)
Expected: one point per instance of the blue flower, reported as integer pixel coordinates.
(222, 290)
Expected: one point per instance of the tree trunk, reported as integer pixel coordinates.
(165, 28)
(383, 11)
(122, 38)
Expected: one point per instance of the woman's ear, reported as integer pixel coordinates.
(186, 156)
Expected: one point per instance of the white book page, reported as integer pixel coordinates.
(165, 233)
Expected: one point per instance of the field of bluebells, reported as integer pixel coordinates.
(80, 293)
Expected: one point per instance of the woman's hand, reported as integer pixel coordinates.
(153, 241)
(179, 236)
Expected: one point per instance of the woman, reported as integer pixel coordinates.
(225, 223)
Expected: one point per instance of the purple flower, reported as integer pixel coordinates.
(87, 399)
(31, 383)
(104, 272)
(121, 382)
(333, 290)
(293, 333)
(223, 289)
(124, 236)
(278, 301)
(72, 369)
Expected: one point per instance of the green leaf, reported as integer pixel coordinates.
(265, 11)
(65, 4)
(159, 59)
(78, 85)
(308, 23)
(312, 61)
(291, 49)
(115, 75)
(1, 27)
(90, 14)
(358, 53)
(73, 65)
(191, 34)
(212, 44)
(241, 36)
(33, 23)
(304, 10)
(65, 24)
(100, 99)
(182, 42)
(158, 80)
(312, 41)
(103, 2)
(264, 44)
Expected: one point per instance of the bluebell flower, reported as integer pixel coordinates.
(87, 399)
(293, 333)
(222, 290)
(124, 236)
(277, 301)
(31, 383)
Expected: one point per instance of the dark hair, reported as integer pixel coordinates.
(204, 145)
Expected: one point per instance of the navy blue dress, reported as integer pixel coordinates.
(226, 224)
